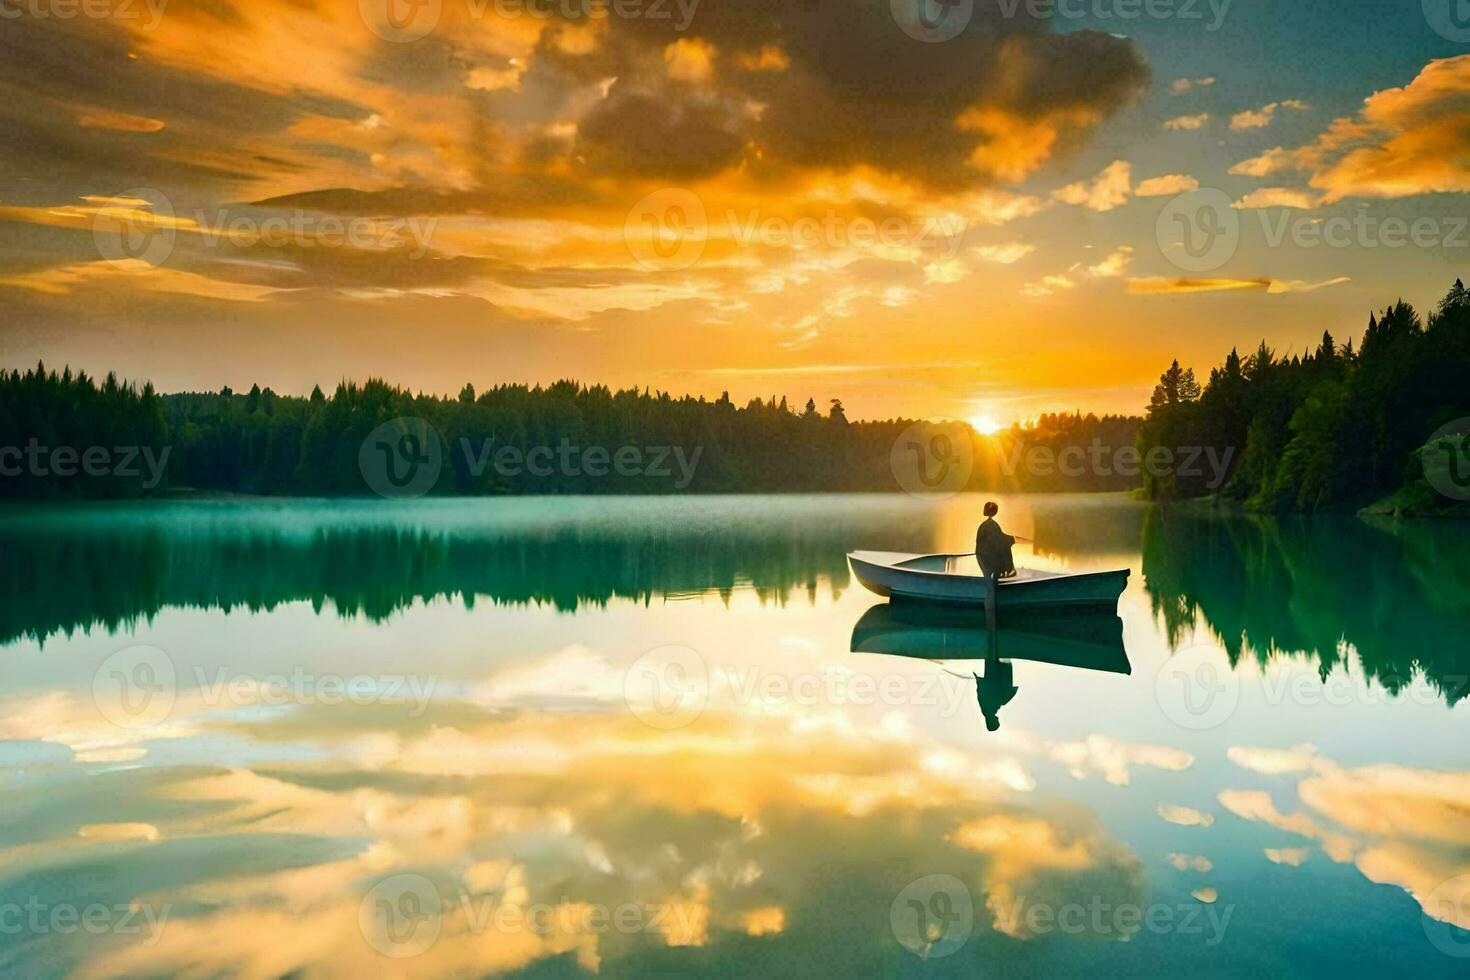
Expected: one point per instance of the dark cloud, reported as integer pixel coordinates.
(660, 132)
(858, 91)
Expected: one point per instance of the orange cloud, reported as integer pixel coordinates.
(1181, 85)
(1015, 146)
(1185, 816)
(1108, 190)
(1168, 184)
(690, 60)
(1160, 286)
(768, 58)
(1188, 122)
(1270, 162)
(1186, 862)
(122, 122)
(1007, 254)
(1293, 856)
(1407, 826)
(1262, 117)
(1277, 197)
(1404, 141)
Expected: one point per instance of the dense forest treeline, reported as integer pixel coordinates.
(1336, 429)
(590, 439)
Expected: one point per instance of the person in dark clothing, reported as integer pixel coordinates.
(994, 691)
(993, 546)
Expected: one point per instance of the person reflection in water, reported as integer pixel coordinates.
(994, 691)
(993, 546)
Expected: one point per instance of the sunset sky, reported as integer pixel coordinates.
(792, 197)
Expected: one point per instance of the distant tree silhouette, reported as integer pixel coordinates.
(264, 443)
(1175, 387)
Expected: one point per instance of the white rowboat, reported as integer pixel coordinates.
(956, 579)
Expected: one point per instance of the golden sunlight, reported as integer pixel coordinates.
(985, 425)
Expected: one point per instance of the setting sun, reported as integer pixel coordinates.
(985, 425)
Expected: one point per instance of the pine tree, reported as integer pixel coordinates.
(1457, 297)
(1176, 386)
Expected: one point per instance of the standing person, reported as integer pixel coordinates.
(993, 546)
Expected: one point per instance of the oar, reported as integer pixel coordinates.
(990, 610)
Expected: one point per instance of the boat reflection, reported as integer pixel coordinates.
(1090, 639)
(1087, 639)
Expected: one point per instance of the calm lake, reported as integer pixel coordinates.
(559, 736)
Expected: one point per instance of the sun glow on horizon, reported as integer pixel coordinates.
(985, 425)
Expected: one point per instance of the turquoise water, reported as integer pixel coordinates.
(571, 735)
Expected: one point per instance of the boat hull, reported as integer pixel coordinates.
(927, 579)
(1091, 639)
